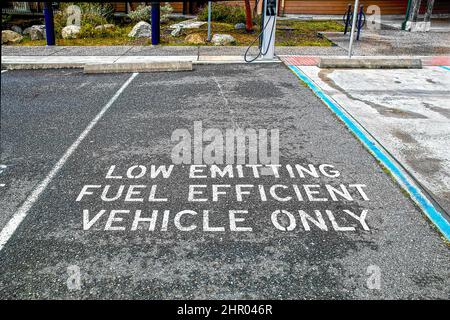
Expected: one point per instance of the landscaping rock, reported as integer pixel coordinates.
(223, 39)
(140, 30)
(188, 24)
(107, 26)
(26, 31)
(17, 29)
(194, 38)
(9, 36)
(36, 32)
(177, 32)
(239, 26)
(70, 32)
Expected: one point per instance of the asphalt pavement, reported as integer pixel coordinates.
(65, 136)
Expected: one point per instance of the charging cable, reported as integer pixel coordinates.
(262, 51)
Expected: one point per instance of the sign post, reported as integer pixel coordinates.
(352, 31)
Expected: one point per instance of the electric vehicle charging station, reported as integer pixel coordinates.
(267, 35)
(268, 29)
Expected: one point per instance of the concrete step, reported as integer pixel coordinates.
(138, 67)
(369, 63)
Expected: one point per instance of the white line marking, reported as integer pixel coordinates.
(3, 71)
(22, 212)
(2, 184)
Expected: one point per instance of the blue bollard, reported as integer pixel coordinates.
(348, 18)
(156, 17)
(360, 21)
(49, 25)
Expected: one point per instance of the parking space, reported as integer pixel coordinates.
(407, 111)
(42, 113)
(116, 220)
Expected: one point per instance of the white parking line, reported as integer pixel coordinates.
(22, 212)
(3, 71)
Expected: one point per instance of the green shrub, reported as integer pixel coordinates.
(60, 20)
(101, 9)
(93, 19)
(223, 13)
(87, 30)
(92, 15)
(166, 10)
(6, 18)
(143, 13)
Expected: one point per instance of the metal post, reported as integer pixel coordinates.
(348, 18)
(360, 21)
(414, 10)
(209, 20)
(408, 8)
(352, 32)
(49, 24)
(411, 23)
(428, 12)
(156, 19)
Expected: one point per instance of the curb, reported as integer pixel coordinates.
(138, 67)
(369, 63)
(37, 66)
(118, 63)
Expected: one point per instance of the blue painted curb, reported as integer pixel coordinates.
(434, 215)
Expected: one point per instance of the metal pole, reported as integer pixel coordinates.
(414, 10)
(411, 23)
(209, 20)
(428, 13)
(156, 15)
(352, 32)
(408, 8)
(49, 24)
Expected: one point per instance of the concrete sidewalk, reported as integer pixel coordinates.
(197, 51)
(43, 57)
(394, 42)
(15, 57)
